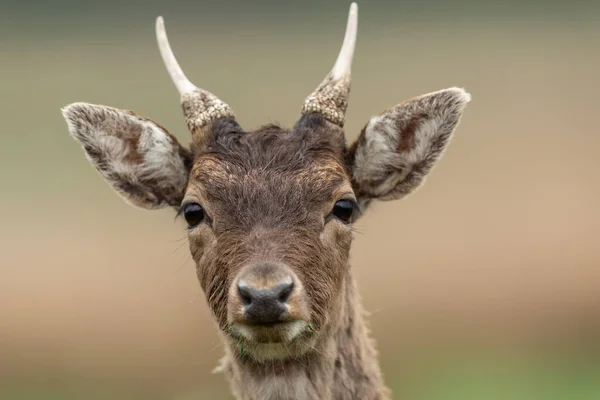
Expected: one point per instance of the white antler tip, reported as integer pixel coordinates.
(344, 61)
(179, 79)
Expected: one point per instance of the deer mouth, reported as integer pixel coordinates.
(273, 332)
(272, 341)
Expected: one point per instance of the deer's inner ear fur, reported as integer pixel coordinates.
(398, 148)
(137, 157)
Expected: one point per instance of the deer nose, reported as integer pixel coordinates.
(265, 305)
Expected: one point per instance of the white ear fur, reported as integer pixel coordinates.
(137, 157)
(398, 148)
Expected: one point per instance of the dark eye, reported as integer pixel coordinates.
(193, 214)
(344, 210)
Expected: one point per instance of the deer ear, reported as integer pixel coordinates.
(398, 148)
(137, 157)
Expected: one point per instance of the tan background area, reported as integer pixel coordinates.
(484, 284)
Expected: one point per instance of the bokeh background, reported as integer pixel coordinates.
(484, 284)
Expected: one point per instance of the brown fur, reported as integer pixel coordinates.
(398, 148)
(407, 141)
(259, 195)
(270, 246)
(342, 364)
(123, 146)
(259, 192)
(268, 197)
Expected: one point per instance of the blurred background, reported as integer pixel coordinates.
(484, 284)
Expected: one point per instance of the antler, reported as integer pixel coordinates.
(331, 97)
(200, 107)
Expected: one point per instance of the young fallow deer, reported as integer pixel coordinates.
(270, 216)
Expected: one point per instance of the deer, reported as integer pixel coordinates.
(271, 216)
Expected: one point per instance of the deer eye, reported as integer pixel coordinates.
(344, 210)
(193, 214)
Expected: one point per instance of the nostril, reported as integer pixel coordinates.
(286, 290)
(245, 294)
(263, 305)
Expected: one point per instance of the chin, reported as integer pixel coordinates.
(270, 342)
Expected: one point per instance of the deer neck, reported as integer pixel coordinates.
(343, 365)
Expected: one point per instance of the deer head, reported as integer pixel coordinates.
(270, 211)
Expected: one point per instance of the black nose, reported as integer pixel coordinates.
(265, 305)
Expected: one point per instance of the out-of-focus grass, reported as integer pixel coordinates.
(499, 379)
(449, 379)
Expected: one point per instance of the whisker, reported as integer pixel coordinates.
(186, 258)
(178, 240)
(217, 346)
(183, 242)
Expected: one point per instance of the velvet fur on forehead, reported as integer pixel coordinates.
(271, 145)
(272, 174)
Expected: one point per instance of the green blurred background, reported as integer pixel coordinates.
(483, 285)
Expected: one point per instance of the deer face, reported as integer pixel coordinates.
(270, 214)
(270, 211)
